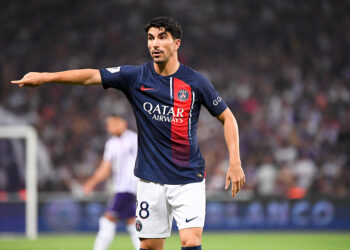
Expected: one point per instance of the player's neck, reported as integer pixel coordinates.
(119, 134)
(167, 68)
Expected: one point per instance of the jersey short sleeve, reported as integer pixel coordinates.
(210, 98)
(121, 77)
(108, 152)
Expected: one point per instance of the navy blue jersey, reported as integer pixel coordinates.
(166, 110)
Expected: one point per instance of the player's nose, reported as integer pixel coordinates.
(156, 43)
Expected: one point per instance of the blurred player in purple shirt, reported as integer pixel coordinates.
(119, 158)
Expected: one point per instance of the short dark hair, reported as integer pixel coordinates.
(168, 23)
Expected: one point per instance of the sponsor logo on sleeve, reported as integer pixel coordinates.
(113, 69)
(217, 100)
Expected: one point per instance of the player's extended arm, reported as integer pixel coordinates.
(101, 174)
(69, 77)
(235, 173)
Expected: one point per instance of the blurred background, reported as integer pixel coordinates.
(282, 67)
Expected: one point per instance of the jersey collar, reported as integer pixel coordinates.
(177, 73)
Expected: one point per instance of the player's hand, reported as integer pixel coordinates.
(32, 79)
(235, 175)
(87, 188)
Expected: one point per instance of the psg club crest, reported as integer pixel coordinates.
(138, 226)
(182, 94)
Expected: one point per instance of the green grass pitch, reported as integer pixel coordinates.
(211, 241)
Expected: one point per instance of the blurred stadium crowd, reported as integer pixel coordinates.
(282, 66)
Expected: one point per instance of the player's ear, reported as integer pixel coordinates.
(177, 44)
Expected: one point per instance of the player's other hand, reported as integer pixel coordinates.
(235, 176)
(32, 79)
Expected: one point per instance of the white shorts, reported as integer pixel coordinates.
(157, 204)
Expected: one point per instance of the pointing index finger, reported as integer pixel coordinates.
(233, 189)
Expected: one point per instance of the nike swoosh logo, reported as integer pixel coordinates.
(188, 220)
(146, 89)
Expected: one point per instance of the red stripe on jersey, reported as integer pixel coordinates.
(179, 125)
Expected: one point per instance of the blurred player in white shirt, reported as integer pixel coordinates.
(119, 156)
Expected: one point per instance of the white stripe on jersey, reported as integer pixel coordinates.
(171, 88)
(190, 118)
(121, 152)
